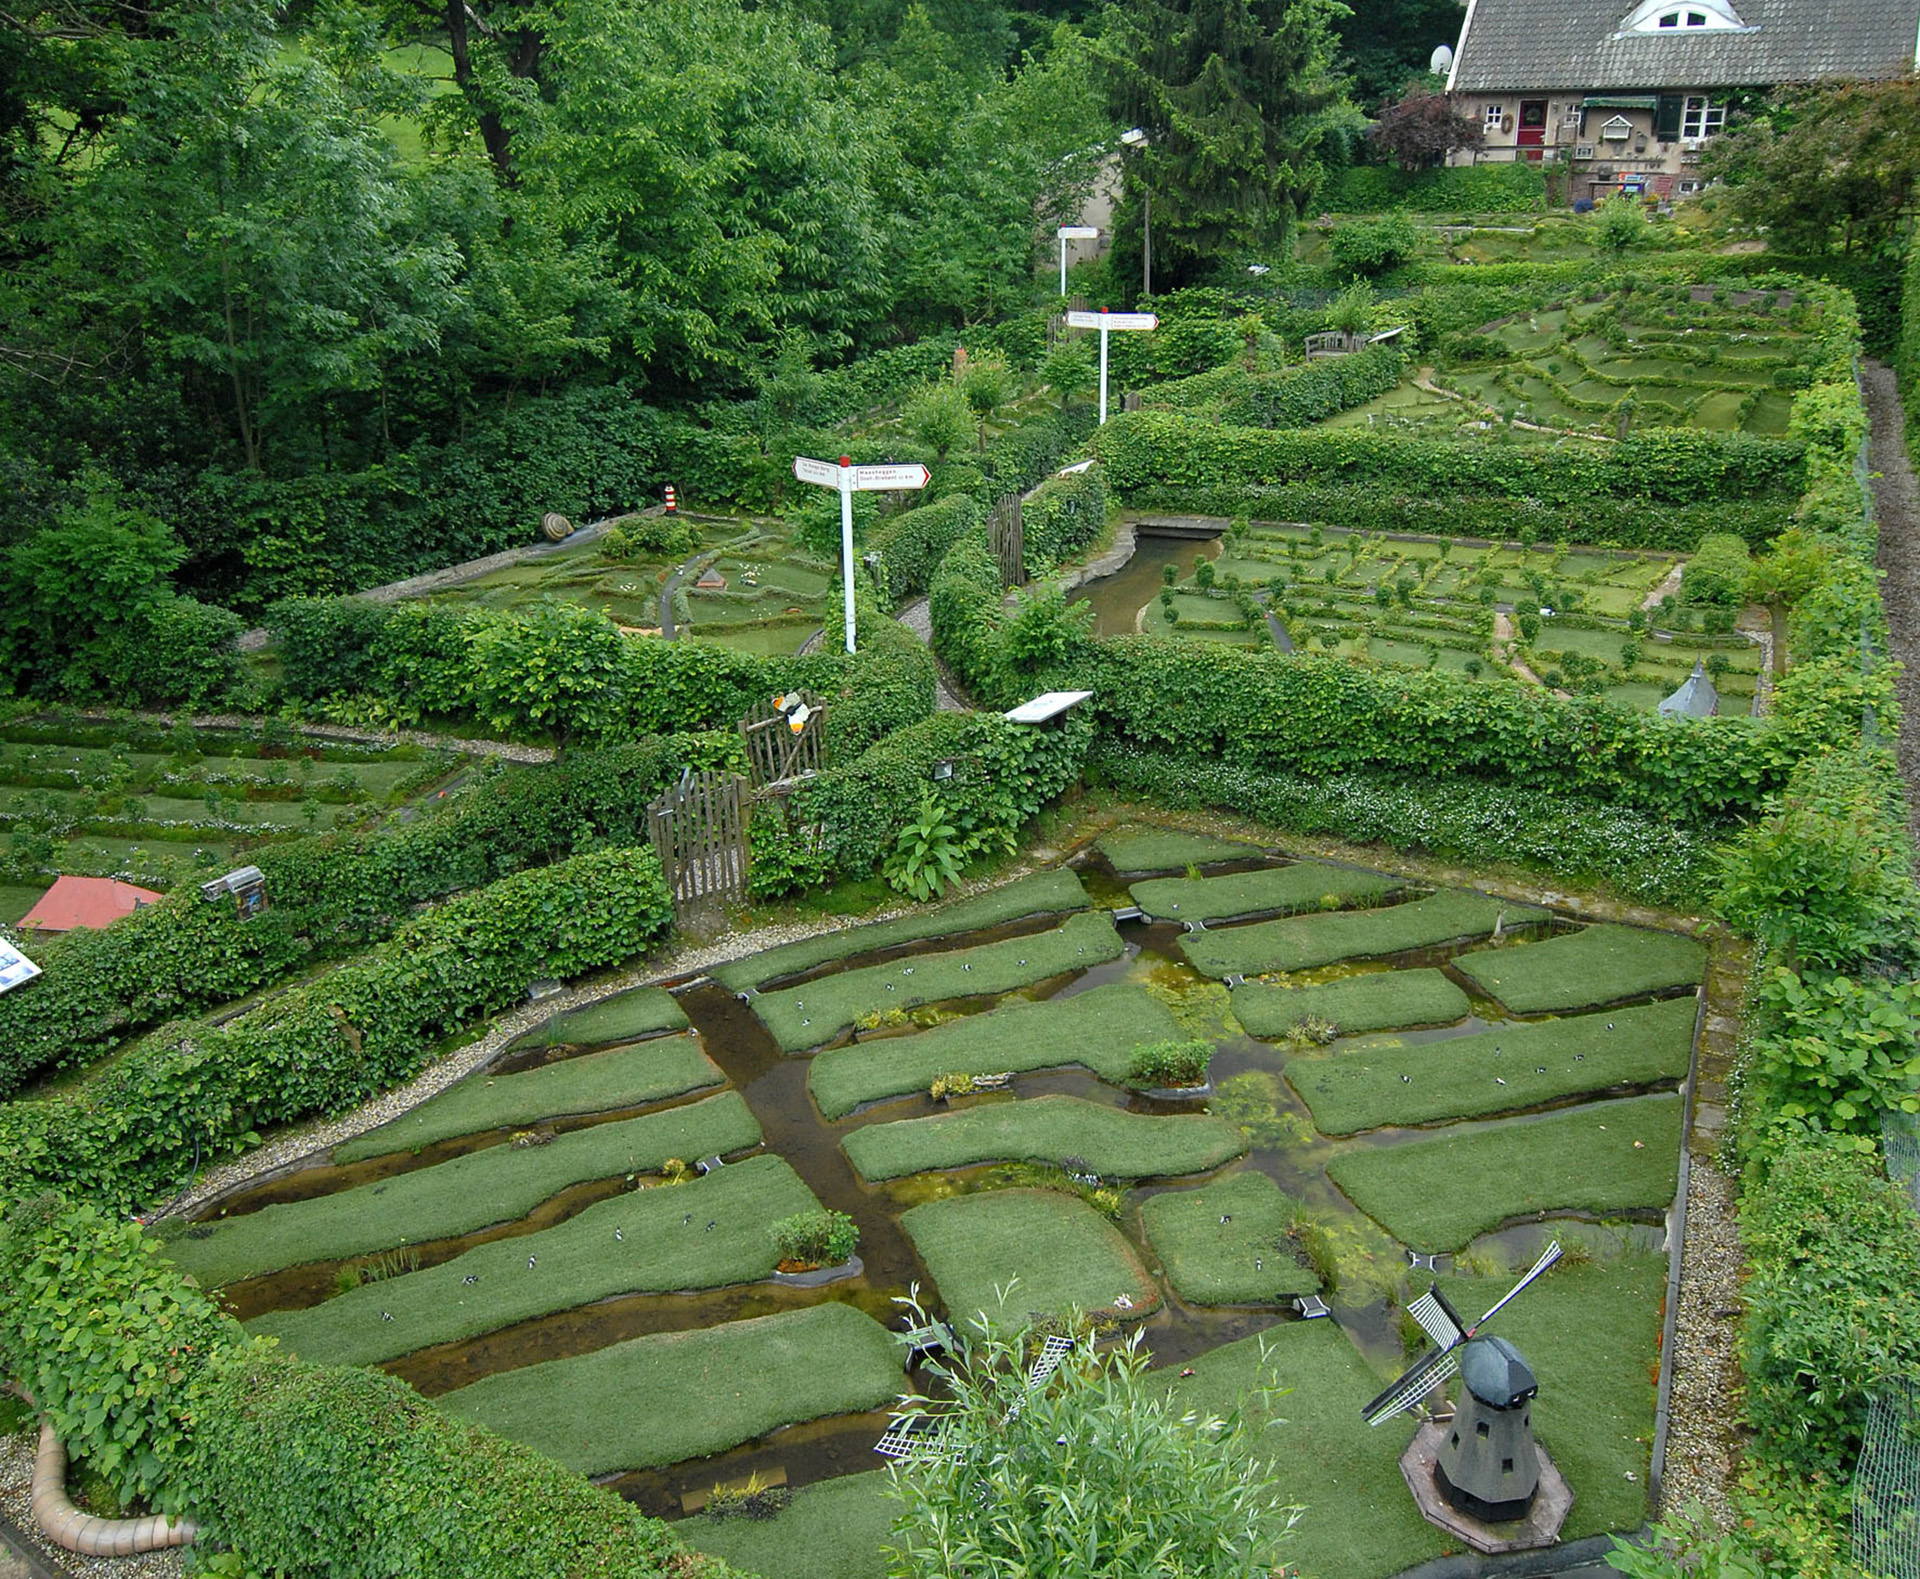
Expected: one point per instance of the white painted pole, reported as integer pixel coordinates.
(1103, 370)
(846, 539)
(1063, 265)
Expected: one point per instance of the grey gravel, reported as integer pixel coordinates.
(16, 1502)
(1896, 499)
(1703, 1442)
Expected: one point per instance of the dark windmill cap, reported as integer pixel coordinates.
(1495, 1373)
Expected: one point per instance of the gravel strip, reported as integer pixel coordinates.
(16, 1502)
(1703, 1444)
(1896, 499)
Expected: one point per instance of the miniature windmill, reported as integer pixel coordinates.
(1486, 1465)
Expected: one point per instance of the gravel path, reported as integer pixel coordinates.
(1703, 1444)
(917, 616)
(1896, 498)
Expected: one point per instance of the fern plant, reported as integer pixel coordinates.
(927, 856)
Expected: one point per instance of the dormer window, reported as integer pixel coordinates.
(1685, 16)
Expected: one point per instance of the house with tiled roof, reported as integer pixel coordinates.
(1628, 93)
(75, 902)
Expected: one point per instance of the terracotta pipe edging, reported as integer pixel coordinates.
(71, 1530)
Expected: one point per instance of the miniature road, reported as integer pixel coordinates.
(1896, 498)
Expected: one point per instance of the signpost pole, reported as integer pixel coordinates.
(1103, 367)
(850, 479)
(846, 539)
(1063, 263)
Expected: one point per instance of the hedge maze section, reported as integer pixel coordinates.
(707, 1234)
(1436, 1195)
(1161, 849)
(1307, 885)
(674, 1396)
(1020, 1253)
(809, 1015)
(1226, 1243)
(1580, 970)
(1304, 942)
(623, 1077)
(621, 1018)
(459, 1196)
(1052, 892)
(1507, 1069)
(1379, 1001)
(1098, 1028)
(1111, 1141)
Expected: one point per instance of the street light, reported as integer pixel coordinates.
(1136, 137)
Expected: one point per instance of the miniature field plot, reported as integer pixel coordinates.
(1504, 1070)
(1113, 1142)
(1379, 1001)
(1097, 1029)
(621, 1077)
(626, 1016)
(680, 1395)
(1306, 885)
(1053, 892)
(1226, 1243)
(833, 1529)
(707, 1234)
(1012, 1253)
(1438, 1194)
(1303, 942)
(806, 1016)
(1161, 849)
(459, 1196)
(1597, 965)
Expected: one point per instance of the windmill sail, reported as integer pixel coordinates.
(1435, 1367)
(1439, 1320)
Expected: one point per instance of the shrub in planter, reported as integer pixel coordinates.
(1169, 1064)
(815, 1239)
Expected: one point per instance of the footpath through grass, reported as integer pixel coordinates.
(665, 1243)
(1041, 893)
(459, 1196)
(806, 1016)
(681, 1395)
(1379, 1001)
(1437, 1195)
(1161, 849)
(1600, 964)
(1044, 1251)
(621, 1018)
(1097, 1029)
(1226, 1243)
(1306, 885)
(1303, 942)
(649, 1071)
(1111, 1141)
(1507, 1069)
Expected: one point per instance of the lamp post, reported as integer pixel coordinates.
(1136, 137)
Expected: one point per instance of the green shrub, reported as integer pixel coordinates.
(822, 1238)
(1372, 246)
(1832, 1054)
(1718, 571)
(1169, 1063)
(926, 858)
(1517, 188)
(913, 543)
(1061, 517)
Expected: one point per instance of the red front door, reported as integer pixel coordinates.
(1533, 125)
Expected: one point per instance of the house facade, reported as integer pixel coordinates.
(1629, 93)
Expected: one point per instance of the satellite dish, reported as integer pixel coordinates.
(1441, 61)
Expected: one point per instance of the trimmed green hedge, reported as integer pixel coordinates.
(1515, 188)
(1294, 397)
(193, 1093)
(1061, 517)
(913, 543)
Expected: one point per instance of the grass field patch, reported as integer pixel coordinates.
(1226, 1243)
(833, 1529)
(1012, 1253)
(621, 1018)
(665, 1244)
(1148, 849)
(1302, 942)
(459, 1196)
(806, 1016)
(1097, 1029)
(1578, 970)
(1438, 1194)
(1509, 1068)
(1109, 1140)
(1378, 1001)
(680, 1395)
(1306, 885)
(622, 1077)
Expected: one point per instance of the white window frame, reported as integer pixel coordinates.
(1700, 118)
(1679, 16)
(1492, 117)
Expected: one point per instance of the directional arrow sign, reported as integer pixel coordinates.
(1078, 232)
(825, 473)
(1080, 320)
(884, 479)
(847, 479)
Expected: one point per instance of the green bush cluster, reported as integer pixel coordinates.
(1717, 573)
(822, 1238)
(193, 1092)
(1061, 517)
(1294, 397)
(1448, 189)
(913, 543)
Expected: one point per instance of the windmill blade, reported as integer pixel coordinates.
(1437, 1318)
(1547, 1257)
(1439, 1365)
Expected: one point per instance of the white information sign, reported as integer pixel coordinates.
(1105, 321)
(850, 479)
(825, 473)
(15, 967)
(1068, 233)
(884, 479)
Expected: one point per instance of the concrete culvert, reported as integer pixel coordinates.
(71, 1530)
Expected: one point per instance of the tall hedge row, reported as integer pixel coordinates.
(1292, 397)
(913, 543)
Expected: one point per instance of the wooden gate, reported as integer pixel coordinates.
(699, 829)
(1009, 540)
(777, 753)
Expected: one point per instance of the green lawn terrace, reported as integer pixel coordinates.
(161, 806)
(1574, 618)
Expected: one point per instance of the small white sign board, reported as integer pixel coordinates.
(884, 479)
(847, 479)
(15, 967)
(825, 473)
(1078, 232)
(1085, 320)
(1048, 705)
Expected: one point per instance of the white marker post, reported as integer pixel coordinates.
(1068, 233)
(851, 479)
(1103, 321)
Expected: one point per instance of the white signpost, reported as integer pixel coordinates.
(1068, 233)
(850, 479)
(1104, 321)
(15, 967)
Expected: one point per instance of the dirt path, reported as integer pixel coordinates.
(1667, 588)
(1503, 640)
(1896, 499)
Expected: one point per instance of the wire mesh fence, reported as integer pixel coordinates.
(1886, 1486)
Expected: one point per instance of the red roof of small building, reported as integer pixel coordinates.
(85, 902)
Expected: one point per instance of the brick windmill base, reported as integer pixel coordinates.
(1541, 1526)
